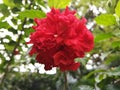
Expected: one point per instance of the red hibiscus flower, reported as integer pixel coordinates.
(59, 39)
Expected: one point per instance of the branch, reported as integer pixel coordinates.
(65, 82)
(16, 45)
(5, 47)
(12, 55)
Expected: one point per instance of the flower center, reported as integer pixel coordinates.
(55, 35)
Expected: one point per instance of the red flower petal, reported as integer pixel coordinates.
(59, 39)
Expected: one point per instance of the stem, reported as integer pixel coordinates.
(66, 83)
(12, 56)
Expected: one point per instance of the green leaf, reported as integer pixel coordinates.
(58, 3)
(2, 64)
(4, 25)
(31, 14)
(4, 10)
(10, 46)
(18, 2)
(2, 57)
(82, 61)
(110, 6)
(109, 73)
(100, 77)
(9, 3)
(105, 19)
(112, 60)
(12, 30)
(28, 31)
(116, 44)
(117, 9)
(103, 36)
(41, 2)
(114, 72)
(93, 72)
(8, 37)
(15, 10)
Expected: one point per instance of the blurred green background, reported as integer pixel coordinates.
(100, 69)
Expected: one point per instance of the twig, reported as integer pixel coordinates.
(12, 55)
(65, 82)
(16, 45)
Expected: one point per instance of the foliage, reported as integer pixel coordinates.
(99, 70)
(58, 3)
